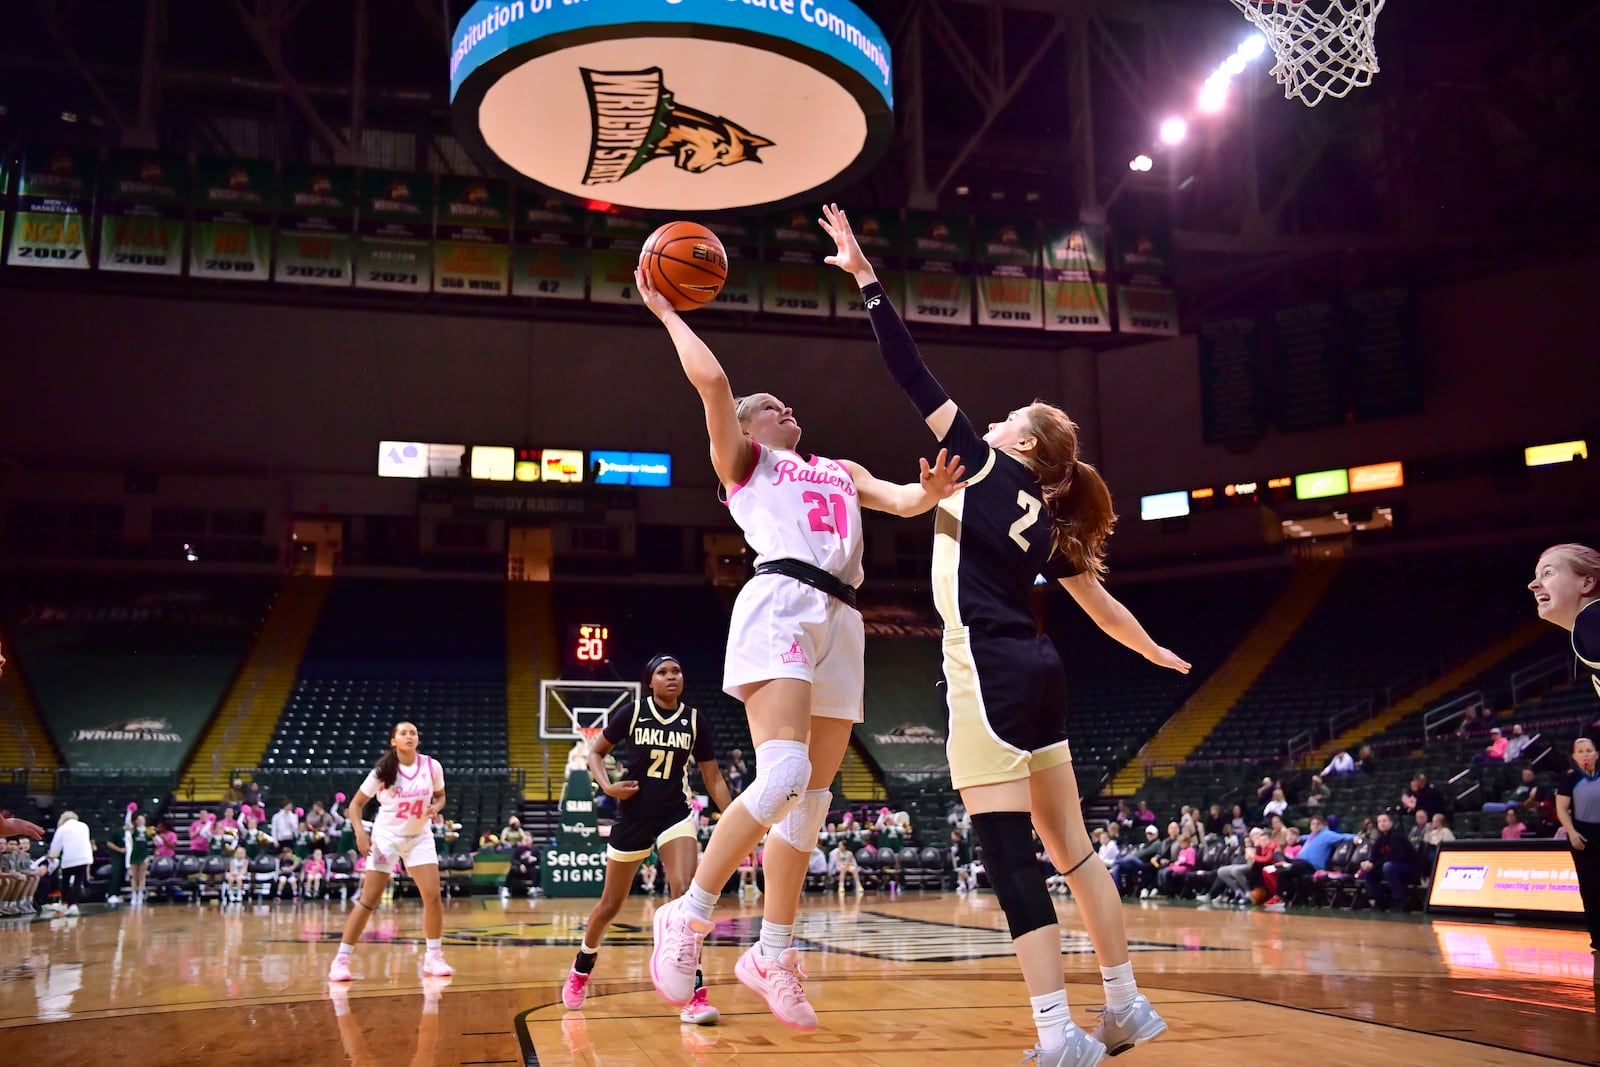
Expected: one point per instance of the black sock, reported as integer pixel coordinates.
(585, 961)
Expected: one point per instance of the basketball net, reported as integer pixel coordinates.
(1323, 47)
(589, 734)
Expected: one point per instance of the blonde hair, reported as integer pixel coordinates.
(1581, 559)
(66, 817)
(744, 407)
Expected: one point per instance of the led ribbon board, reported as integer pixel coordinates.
(673, 105)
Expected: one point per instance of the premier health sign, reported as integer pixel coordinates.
(631, 468)
(673, 105)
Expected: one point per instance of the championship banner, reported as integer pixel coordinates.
(878, 234)
(1076, 297)
(316, 226)
(793, 281)
(548, 260)
(472, 249)
(575, 866)
(1009, 291)
(615, 241)
(143, 197)
(232, 220)
(938, 248)
(55, 197)
(394, 249)
(1146, 301)
(742, 289)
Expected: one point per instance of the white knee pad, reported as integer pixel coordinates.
(783, 769)
(801, 827)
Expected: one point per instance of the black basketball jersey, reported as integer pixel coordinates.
(661, 745)
(990, 540)
(1586, 642)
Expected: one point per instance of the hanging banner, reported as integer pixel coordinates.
(793, 281)
(394, 250)
(232, 220)
(1146, 300)
(55, 197)
(741, 291)
(938, 250)
(316, 226)
(143, 197)
(1076, 297)
(878, 234)
(472, 229)
(1009, 290)
(548, 260)
(615, 241)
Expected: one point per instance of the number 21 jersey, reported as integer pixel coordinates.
(804, 509)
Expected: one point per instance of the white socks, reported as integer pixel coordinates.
(345, 950)
(699, 902)
(1120, 986)
(1051, 1019)
(435, 946)
(775, 937)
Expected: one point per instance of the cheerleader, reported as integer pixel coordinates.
(409, 788)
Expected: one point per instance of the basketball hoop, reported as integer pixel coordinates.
(1323, 47)
(589, 734)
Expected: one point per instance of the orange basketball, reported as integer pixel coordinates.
(686, 263)
(1258, 895)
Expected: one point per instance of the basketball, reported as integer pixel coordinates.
(686, 263)
(1258, 895)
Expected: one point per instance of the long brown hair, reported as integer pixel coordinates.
(1081, 514)
(388, 768)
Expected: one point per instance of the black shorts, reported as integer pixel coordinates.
(1008, 707)
(635, 833)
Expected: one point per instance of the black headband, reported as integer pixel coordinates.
(656, 661)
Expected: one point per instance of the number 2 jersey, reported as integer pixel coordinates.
(794, 507)
(403, 807)
(990, 540)
(661, 745)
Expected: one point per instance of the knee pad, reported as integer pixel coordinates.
(1007, 840)
(802, 826)
(783, 770)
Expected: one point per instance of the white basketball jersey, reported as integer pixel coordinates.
(806, 509)
(403, 807)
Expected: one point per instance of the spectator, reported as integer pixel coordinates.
(523, 873)
(841, 863)
(1110, 848)
(1417, 835)
(1423, 795)
(1236, 876)
(1391, 868)
(1315, 851)
(1525, 796)
(1142, 813)
(1189, 821)
(1215, 820)
(1277, 805)
(235, 793)
(1185, 861)
(1366, 760)
(1137, 870)
(226, 832)
(513, 835)
(1468, 724)
(200, 833)
(75, 849)
(1495, 750)
(252, 797)
(1517, 744)
(1318, 794)
(1514, 830)
(1265, 791)
(1239, 825)
(737, 772)
(165, 842)
(319, 825)
(18, 881)
(1342, 763)
(1438, 832)
(285, 825)
(288, 873)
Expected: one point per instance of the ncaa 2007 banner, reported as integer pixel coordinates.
(394, 247)
(55, 198)
(143, 199)
(232, 220)
(316, 237)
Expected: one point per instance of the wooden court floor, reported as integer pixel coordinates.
(918, 980)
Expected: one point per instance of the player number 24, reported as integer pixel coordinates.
(821, 506)
(1031, 506)
(411, 809)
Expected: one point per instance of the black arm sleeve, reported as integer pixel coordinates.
(900, 353)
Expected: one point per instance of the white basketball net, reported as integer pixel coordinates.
(1324, 47)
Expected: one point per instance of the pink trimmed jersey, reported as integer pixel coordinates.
(403, 807)
(797, 508)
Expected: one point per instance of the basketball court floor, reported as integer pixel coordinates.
(915, 981)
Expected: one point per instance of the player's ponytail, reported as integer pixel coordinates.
(1081, 514)
(388, 768)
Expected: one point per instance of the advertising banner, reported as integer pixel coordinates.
(575, 866)
(143, 199)
(395, 248)
(1516, 878)
(232, 220)
(55, 198)
(316, 220)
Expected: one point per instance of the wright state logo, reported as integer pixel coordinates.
(635, 119)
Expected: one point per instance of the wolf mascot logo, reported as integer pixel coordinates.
(636, 119)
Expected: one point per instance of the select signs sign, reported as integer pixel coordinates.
(673, 105)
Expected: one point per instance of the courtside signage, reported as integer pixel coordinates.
(673, 105)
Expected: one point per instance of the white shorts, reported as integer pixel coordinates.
(416, 850)
(784, 628)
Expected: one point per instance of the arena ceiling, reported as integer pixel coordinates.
(1473, 151)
